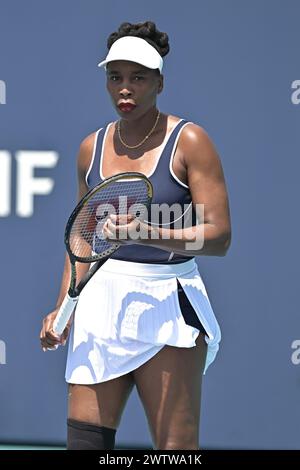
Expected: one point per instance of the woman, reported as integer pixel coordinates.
(145, 318)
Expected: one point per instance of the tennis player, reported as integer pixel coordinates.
(145, 318)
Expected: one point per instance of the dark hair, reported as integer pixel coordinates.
(147, 31)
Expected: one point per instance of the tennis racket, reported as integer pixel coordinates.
(124, 193)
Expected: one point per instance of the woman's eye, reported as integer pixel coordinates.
(137, 77)
(114, 78)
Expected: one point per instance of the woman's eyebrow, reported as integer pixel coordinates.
(133, 71)
(140, 71)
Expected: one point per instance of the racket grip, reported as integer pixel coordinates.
(64, 314)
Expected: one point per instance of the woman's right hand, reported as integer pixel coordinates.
(49, 339)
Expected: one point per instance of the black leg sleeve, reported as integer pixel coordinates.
(85, 436)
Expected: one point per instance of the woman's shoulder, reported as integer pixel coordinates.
(88, 142)
(192, 133)
(191, 130)
(195, 141)
(86, 149)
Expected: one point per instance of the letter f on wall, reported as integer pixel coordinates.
(27, 184)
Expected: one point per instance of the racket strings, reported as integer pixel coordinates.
(86, 239)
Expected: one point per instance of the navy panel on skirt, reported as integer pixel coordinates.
(188, 313)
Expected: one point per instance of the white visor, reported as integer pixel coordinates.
(136, 50)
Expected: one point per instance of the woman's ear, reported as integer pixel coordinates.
(160, 84)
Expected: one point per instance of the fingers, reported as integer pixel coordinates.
(118, 227)
(120, 219)
(48, 339)
(54, 348)
(65, 335)
(107, 231)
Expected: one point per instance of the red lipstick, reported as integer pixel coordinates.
(126, 106)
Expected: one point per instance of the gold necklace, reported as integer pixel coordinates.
(145, 138)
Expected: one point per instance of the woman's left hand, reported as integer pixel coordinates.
(124, 229)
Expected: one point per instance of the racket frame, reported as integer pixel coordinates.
(70, 300)
(84, 200)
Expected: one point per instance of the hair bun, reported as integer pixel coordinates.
(146, 30)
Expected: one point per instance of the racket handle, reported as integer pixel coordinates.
(64, 314)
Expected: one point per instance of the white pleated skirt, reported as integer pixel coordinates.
(129, 311)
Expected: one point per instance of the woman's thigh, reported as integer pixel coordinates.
(169, 386)
(101, 404)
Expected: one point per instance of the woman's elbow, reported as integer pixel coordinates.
(224, 244)
(220, 245)
(217, 245)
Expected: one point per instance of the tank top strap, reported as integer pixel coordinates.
(93, 175)
(163, 165)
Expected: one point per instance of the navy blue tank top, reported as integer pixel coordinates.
(167, 188)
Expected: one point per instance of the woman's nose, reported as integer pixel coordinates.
(125, 92)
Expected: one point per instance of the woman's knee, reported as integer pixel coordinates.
(87, 436)
(95, 412)
(184, 439)
(100, 404)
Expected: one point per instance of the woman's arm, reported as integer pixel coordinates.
(212, 235)
(207, 186)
